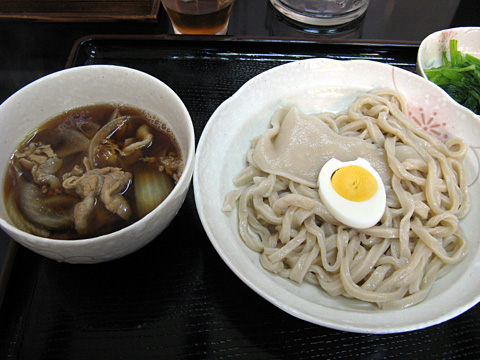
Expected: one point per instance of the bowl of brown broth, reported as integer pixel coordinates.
(96, 161)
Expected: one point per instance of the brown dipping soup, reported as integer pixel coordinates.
(91, 171)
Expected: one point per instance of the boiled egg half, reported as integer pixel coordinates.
(353, 192)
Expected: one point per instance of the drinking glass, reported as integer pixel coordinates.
(322, 12)
(205, 17)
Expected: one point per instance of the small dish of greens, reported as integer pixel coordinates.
(451, 59)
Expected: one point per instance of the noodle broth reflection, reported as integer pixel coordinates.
(91, 171)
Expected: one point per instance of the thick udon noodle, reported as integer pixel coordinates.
(392, 264)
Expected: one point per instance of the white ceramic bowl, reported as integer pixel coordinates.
(55, 93)
(432, 47)
(317, 85)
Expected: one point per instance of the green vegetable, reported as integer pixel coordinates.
(459, 77)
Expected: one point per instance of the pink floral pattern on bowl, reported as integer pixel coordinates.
(428, 122)
(432, 121)
(430, 54)
(446, 36)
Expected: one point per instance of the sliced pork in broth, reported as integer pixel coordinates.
(91, 171)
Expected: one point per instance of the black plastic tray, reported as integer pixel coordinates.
(176, 298)
(204, 71)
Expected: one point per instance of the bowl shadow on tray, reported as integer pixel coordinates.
(267, 332)
(156, 278)
(263, 331)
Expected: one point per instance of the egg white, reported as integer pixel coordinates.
(360, 215)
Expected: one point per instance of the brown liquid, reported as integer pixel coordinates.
(199, 17)
(87, 120)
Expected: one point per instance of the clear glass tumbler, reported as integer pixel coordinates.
(322, 12)
(205, 17)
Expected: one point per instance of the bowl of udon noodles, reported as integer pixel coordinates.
(336, 261)
(96, 161)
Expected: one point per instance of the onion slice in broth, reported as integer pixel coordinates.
(74, 142)
(47, 212)
(151, 188)
(21, 222)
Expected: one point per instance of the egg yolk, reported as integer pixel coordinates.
(354, 183)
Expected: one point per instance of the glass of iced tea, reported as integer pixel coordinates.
(203, 17)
